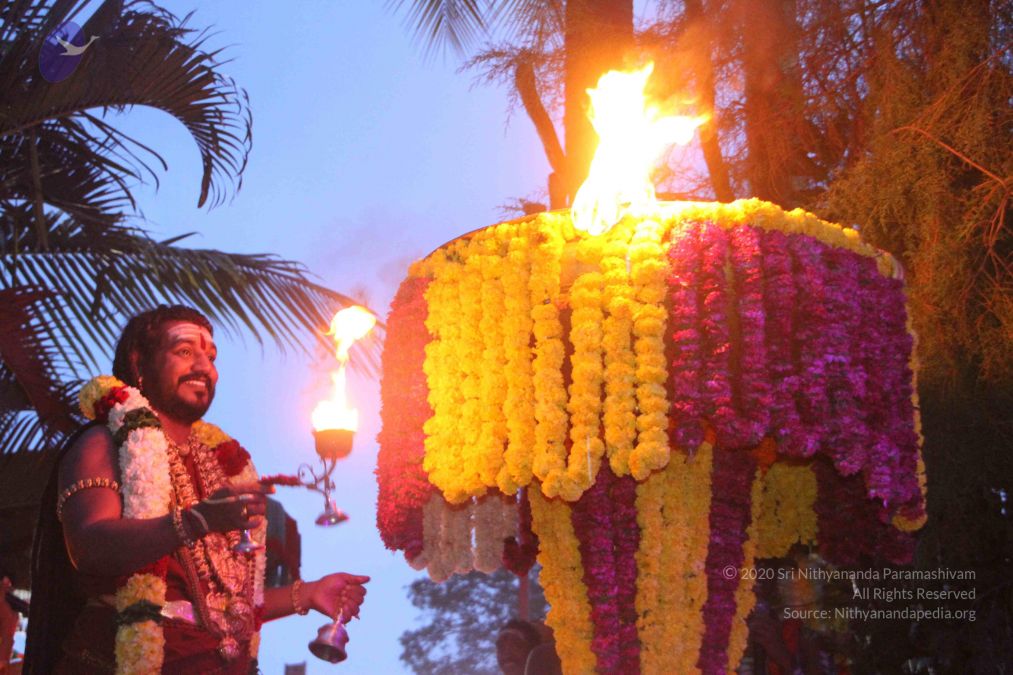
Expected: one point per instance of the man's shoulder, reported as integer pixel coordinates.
(92, 443)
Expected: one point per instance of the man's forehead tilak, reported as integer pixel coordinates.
(191, 332)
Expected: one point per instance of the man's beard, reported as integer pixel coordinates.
(165, 398)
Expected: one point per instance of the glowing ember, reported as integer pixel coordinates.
(347, 326)
(633, 135)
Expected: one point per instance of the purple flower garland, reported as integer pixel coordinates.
(753, 390)
(626, 539)
(730, 515)
(779, 303)
(685, 339)
(592, 516)
(716, 338)
(847, 434)
(811, 342)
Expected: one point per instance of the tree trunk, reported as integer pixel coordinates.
(599, 34)
(774, 103)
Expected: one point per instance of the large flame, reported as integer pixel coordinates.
(347, 326)
(633, 134)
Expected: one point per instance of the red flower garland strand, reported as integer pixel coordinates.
(403, 485)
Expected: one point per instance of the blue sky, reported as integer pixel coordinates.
(365, 157)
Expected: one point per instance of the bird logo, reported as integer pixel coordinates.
(62, 50)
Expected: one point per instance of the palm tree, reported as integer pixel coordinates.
(76, 259)
(596, 35)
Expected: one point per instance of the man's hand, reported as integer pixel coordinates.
(338, 593)
(240, 507)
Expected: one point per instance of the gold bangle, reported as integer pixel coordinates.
(296, 606)
(83, 484)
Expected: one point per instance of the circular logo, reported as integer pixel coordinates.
(62, 50)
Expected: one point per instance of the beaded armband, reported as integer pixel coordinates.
(83, 484)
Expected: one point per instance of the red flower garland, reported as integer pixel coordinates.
(232, 457)
(626, 540)
(403, 485)
(105, 404)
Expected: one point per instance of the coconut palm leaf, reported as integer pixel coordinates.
(109, 274)
(144, 56)
(34, 404)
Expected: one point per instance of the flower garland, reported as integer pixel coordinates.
(147, 493)
(672, 511)
(520, 394)
(648, 272)
(779, 306)
(562, 580)
(444, 438)
(715, 334)
(745, 597)
(685, 337)
(788, 511)
(468, 480)
(592, 520)
(754, 386)
(626, 543)
(731, 487)
(403, 486)
(586, 377)
(493, 434)
(550, 392)
(619, 417)
(811, 341)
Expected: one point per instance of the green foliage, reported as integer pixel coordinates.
(463, 616)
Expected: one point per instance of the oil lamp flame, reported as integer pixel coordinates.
(632, 134)
(347, 326)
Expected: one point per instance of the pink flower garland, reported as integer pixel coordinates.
(753, 390)
(403, 486)
(779, 303)
(684, 345)
(730, 515)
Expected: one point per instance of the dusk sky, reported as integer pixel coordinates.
(365, 157)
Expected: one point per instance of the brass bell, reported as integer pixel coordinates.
(330, 642)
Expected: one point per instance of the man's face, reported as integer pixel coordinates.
(181, 379)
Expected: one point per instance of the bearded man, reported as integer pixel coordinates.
(135, 567)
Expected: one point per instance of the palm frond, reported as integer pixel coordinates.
(109, 274)
(144, 56)
(31, 380)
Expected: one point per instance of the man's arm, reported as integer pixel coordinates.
(329, 595)
(101, 542)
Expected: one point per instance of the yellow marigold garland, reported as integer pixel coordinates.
(673, 507)
(619, 408)
(587, 373)
(492, 439)
(788, 513)
(444, 435)
(648, 277)
(520, 394)
(469, 353)
(550, 394)
(562, 578)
